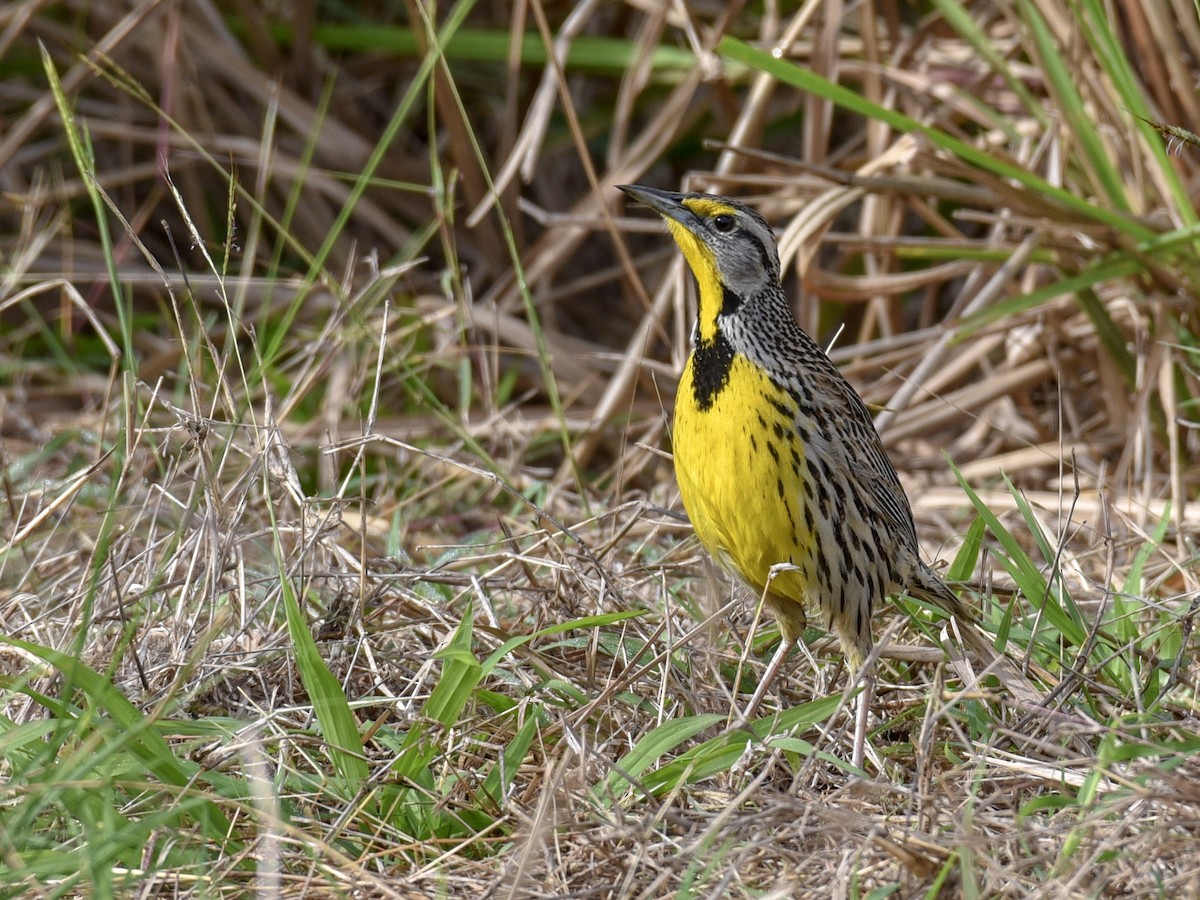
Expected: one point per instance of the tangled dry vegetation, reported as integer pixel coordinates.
(341, 550)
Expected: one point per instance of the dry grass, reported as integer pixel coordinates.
(341, 550)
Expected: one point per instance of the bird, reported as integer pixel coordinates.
(779, 465)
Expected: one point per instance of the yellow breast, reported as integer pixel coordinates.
(741, 474)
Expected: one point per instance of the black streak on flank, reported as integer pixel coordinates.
(711, 362)
(785, 409)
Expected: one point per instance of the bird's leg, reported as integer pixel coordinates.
(768, 677)
(862, 712)
(792, 621)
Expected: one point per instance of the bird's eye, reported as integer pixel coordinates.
(724, 223)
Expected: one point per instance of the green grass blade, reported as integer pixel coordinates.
(1115, 343)
(719, 754)
(799, 77)
(338, 724)
(85, 163)
(659, 741)
(968, 554)
(1080, 123)
(583, 624)
(504, 772)
(461, 673)
(1097, 28)
(1106, 269)
(966, 24)
(409, 102)
(134, 730)
(1024, 571)
(588, 53)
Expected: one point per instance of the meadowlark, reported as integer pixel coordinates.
(779, 465)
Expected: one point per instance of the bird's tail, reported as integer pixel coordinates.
(926, 584)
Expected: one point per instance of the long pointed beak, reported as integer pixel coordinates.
(666, 203)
